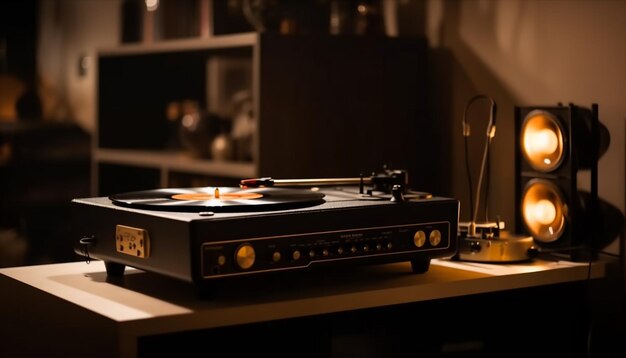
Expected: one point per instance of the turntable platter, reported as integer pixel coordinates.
(220, 199)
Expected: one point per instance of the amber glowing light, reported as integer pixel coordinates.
(544, 211)
(542, 141)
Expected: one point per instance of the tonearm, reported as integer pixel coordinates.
(383, 181)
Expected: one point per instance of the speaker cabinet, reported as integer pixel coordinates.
(553, 146)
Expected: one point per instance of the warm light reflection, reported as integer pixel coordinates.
(11, 88)
(190, 121)
(542, 141)
(543, 211)
(152, 5)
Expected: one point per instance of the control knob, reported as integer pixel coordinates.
(245, 256)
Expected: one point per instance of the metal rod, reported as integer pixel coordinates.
(252, 183)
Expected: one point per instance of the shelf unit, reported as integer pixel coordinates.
(324, 106)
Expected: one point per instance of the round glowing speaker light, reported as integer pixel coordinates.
(542, 141)
(543, 211)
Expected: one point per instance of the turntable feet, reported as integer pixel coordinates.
(114, 269)
(206, 291)
(420, 265)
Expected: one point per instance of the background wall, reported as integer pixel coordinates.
(531, 53)
(518, 52)
(70, 33)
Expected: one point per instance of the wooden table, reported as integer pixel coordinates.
(72, 309)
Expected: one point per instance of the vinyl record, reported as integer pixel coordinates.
(219, 199)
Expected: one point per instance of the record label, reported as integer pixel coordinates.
(218, 199)
(240, 195)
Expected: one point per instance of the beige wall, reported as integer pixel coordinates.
(533, 53)
(68, 30)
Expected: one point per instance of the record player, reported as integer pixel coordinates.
(265, 226)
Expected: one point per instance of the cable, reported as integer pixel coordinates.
(610, 254)
(480, 179)
(85, 243)
(487, 186)
(491, 132)
(469, 176)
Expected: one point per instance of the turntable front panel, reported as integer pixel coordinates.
(299, 251)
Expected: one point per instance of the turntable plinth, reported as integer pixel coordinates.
(264, 231)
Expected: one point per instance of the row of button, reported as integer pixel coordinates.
(325, 252)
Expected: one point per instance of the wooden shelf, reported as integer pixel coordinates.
(175, 161)
(187, 44)
(322, 106)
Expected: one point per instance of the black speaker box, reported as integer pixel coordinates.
(549, 205)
